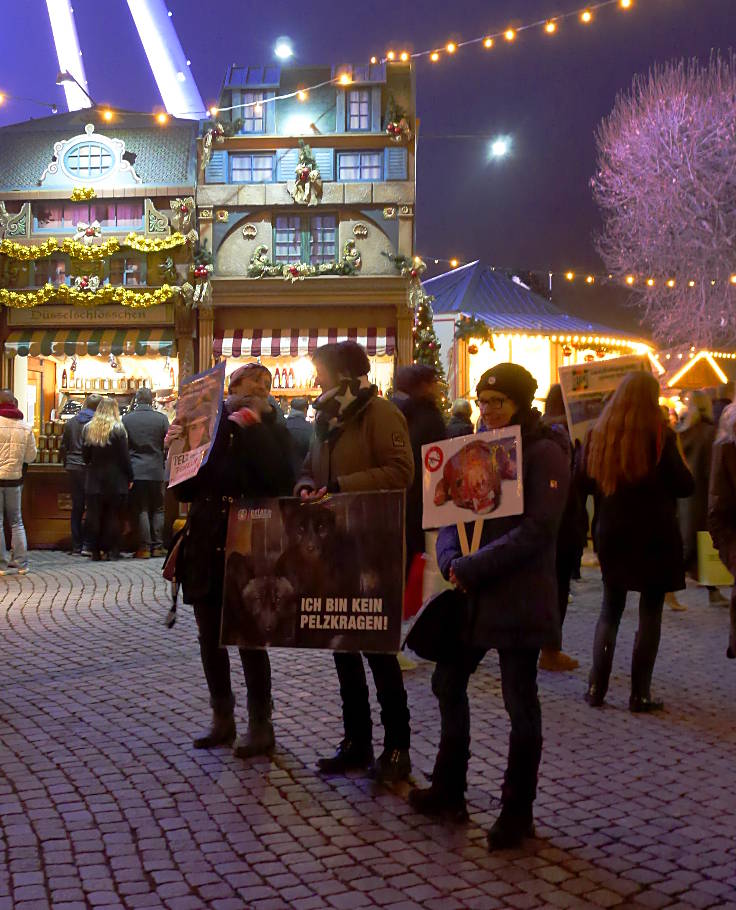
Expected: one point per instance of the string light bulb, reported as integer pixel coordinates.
(488, 43)
(213, 111)
(691, 283)
(2, 98)
(374, 60)
(569, 275)
(258, 108)
(732, 279)
(590, 279)
(454, 263)
(162, 119)
(345, 77)
(451, 47)
(302, 95)
(509, 34)
(107, 115)
(671, 283)
(434, 56)
(630, 279)
(550, 27)
(650, 282)
(404, 56)
(586, 16)
(625, 4)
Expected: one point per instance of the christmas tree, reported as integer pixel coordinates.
(426, 348)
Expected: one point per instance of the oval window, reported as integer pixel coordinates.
(89, 160)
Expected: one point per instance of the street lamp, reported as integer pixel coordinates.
(65, 76)
(283, 48)
(500, 147)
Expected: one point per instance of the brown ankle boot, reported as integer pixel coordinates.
(221, 733)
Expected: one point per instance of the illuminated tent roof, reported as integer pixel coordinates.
(698, 370)
(504, 304)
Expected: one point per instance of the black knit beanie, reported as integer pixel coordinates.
(511, 380)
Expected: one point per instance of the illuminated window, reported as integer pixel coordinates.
(322, 237)
(65, 216)
(251, 168)
(287, 239)
(299, 238)
(253, 115)
(127, 270)
(89, 160)
(359, 110)
(359, 166)
(49, 271)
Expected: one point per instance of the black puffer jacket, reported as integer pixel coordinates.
(251, 462)
(511, 580)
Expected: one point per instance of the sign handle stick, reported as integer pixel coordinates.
(463, 535)
(477, 529)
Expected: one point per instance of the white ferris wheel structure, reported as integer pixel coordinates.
(168, 62)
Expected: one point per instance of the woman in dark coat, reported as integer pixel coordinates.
(635, 470)
(108, 478)
(510, 583)
(722, 504)
(251, 457)
(460, 423)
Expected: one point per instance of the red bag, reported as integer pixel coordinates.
(413, 591)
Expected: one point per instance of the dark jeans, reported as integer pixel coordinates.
(646, 642)
(147, 500)
(104, 514)
(216, 666)
(356, 710)
(76, 482)
(519, 688)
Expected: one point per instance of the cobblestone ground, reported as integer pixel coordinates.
(104, 803)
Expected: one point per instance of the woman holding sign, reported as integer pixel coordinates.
(511, 586)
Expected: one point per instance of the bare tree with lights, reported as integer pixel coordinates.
(666, 185)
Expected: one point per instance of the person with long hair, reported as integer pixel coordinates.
(109, 477)
(722, 504)
(634, 467)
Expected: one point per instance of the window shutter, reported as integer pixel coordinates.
(286, 162)
(270, 112)
(395, 164)
(376, 109)
(216, 170)
(325, 159)
(340, 121)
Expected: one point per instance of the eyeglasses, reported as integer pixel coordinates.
(495, 402)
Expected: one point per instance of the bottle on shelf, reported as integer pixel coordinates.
(277, 379)
(63, 379)
(292, 379)
(171, 377)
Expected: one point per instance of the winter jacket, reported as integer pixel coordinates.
(459, 426)
(252, 462)
(636, 532)
(572, 537)
(108, 467)
(146, 431)
(722, 501)
(71, 440)
(372, 451)
(426, 425)
(511, 579)
(17, 446)
(697, 446)
(301, 432)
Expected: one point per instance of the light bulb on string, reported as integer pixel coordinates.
(509, 34)
(451, 47)
(488, 43)
(570, 275)
(434, 56)
(625, 4)
(404, 56)
(630, 279)
(391, 55)
(550, 27)
(586, 16)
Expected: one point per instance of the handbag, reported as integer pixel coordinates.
(438, 633)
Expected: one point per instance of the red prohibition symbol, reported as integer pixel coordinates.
(433, 459)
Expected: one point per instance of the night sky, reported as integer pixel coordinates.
(533, 210)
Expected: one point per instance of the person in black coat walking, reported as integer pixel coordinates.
(416, 395)
(633, 466)
(109, 476)
(510, 585)
(251, 458)
(460, 423)
(73, 461)
(301, 431)
(722, 505)
(147, 430)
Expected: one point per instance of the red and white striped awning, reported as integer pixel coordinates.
(298, 342)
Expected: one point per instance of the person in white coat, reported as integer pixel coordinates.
(17, 449)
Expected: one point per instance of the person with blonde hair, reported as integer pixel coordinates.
(109, 477)
(633, 466)
(722, 504)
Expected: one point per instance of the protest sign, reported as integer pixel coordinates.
(471, 478)
(198, 413)
(586, 387)
(315, 574)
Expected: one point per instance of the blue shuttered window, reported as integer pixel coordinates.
(325, 159)
(396, 163)
(357, 167)
(251, 168)
(286, 162)
(216, 170)
(359, 110)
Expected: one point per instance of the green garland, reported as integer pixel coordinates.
(260, 265)
(472, 327)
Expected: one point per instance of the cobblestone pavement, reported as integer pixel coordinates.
(104, 803)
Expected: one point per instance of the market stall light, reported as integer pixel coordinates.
(107, 115)
(670, 282)
(630, 279)
(374, 60)
(650, 282)
(434, 56)
(391, 55)
(454, 263)
(691, 283)
(590, 279)
(451, 47)
(586, 16)
(732, 279)
(302, 95)
(550, 27)
(625, 4)
(488, 43)
(345, 77)
(570, 276)
(213, 111)
(162, 119)
(404, 56)
(510, 34)
(695, 358)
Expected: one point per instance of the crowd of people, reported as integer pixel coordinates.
(654, 488)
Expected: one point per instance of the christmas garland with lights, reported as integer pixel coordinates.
(86, 252)
(260, 266)
(308, 183)
(471, 327)
(88, 296)
(83, 194)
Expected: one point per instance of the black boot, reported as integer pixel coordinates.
(350, 756)
(436, 801)
(510, 828)
(392, 765)
(221, 733)
(259, 740)
(644, 704)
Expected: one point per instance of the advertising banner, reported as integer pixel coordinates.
(198, 413)
(322, 574)
(587, 386)
(472, 478)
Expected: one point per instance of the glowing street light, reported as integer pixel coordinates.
(500, 147)
(284, 48)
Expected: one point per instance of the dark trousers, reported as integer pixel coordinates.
(356, 710)
(646, 642)
(216, 666)
(104, 515)
(76, 482)
(519, 688)
(147, 500)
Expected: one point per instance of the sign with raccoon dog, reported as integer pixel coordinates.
(322, 574)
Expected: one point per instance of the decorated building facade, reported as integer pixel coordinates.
(97, 273)
(306, 199)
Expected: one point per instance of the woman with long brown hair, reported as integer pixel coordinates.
(635, 470)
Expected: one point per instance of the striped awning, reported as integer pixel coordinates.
(298, 342)
(59, 342)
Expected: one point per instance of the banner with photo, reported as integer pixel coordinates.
(472, 477)
(198, 414)
(587, 386)
(315, 574)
